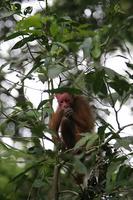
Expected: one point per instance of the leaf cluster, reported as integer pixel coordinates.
(62, 45)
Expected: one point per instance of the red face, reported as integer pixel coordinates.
(65, 100)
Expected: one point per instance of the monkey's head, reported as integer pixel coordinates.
(65, 100)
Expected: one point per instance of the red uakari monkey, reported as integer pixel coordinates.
(73, 116)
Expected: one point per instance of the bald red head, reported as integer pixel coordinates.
(65, 100)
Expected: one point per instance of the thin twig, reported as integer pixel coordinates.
(113, 105)
(19, 84)
(55, 189)
(56, 182)
(122, 128)
(69, 191)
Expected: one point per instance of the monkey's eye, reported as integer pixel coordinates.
(61, 102)
(67, 100)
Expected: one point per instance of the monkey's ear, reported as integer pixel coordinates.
(58, 95)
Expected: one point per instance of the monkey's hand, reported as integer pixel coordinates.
(68, 113)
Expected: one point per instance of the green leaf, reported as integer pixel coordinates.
(38, 183)
(95, 82)
(124, 142)
(21, 175)
(22, 42)
(111, 175)
(54, 29)
(7, 14)
(79, 166)
(64, 89)
(42, 103)
(15, 35)
(55, 70)
(32, 114)
(129, 65)
(32, 21)
(89, 80)
(80, 81)
(81, 142)
(101, 132)
(66, 18)
(58, 48)
(120, 85)
(91, 140)
(110, 72)
(86, 46)
(96, 52)
(88, 139)
(99, 83)
(42, 77)
(115, 97)
(125, 176)
(37, 65)
(62, 45)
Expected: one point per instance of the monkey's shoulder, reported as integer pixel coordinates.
(79, 99)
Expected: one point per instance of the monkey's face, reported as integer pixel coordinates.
(65, 100)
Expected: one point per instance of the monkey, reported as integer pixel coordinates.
(73, 116)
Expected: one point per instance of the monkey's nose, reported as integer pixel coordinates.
(66, 106)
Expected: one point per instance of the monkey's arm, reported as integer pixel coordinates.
(83, 124)
(68, 132)
(55, 122)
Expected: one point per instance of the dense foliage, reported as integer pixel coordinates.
(65, 47)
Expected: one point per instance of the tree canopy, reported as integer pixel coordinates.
(64, 46)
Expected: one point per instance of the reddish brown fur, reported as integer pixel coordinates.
(80, 121)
